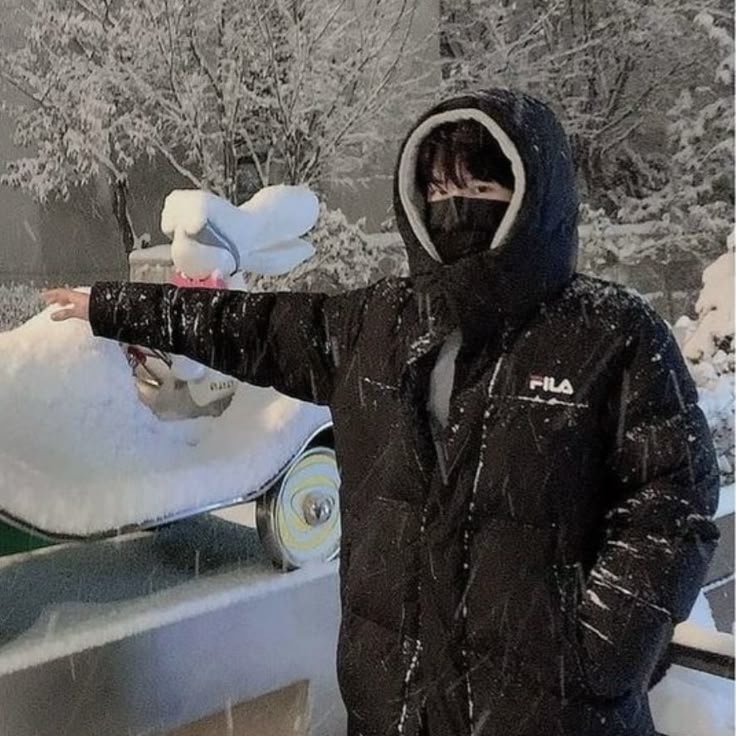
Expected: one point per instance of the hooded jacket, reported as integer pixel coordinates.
(520, 571)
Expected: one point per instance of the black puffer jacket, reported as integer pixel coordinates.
(523, 575)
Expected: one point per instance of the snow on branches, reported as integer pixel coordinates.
(611, 69)
(230, 95)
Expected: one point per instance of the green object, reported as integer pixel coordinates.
(13, 541)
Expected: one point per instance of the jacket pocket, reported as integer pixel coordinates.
(620, 641)
(606, 645)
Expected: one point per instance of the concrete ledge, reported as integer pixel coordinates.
(145, 635)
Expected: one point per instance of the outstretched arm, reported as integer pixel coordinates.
(660, 536)
(291, 341)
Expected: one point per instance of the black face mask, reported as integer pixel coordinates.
(462, 226)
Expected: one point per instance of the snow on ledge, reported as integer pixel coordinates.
(691, 635)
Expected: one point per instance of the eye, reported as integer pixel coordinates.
(484, 188)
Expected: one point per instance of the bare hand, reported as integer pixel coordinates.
(76, 303)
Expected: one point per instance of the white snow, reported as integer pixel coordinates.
(156, 254)
(715, 309)
(715, 306)
(84, 455)
(204, 227)
(273, 214)
(79, 452)
(725, 501)
(691, 703)
(698, 637)
(708, 345)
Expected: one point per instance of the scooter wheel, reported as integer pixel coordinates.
(298, 520)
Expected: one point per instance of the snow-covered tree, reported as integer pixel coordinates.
(231, 95)
(691, 211)
(699, 194)
(70, 123)
(18, 303)
(609, 68)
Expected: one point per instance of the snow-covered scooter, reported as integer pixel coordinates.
(232, 443)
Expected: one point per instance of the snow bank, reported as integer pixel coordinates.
(715, 308)
(691, 635)
(708, 345)
(726, 501)
(691, 703)
(79, 453)
(687, 702)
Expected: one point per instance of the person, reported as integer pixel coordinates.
(527, 481)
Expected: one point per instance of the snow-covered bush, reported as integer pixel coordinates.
(708, 346)
(607, 241)
(346, 258)
(18, 303)
(596, 249)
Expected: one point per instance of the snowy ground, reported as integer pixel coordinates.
(691, 703)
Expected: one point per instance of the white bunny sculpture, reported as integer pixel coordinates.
(213, 242)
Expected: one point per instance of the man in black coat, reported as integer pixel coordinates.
(527, 479)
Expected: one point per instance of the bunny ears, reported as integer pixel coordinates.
(274, 215)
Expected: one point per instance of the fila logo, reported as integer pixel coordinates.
(549, 384)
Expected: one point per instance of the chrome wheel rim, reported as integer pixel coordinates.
(299, 519)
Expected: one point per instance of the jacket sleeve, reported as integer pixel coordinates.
(288, 340)
(659, 536)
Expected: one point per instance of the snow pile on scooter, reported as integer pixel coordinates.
(80, 454)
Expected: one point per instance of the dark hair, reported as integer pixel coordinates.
(466, 145)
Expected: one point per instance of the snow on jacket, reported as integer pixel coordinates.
(521, 572)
